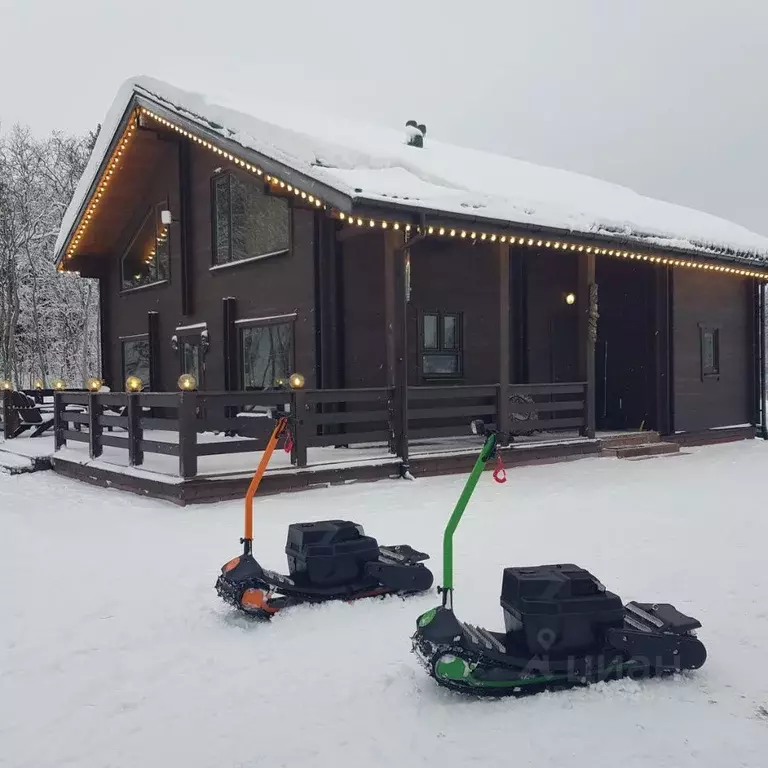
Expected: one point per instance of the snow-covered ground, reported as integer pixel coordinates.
(115, 651)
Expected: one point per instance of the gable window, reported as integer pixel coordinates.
(247, 222)
(136, 358)
(441, 344)
(266, 353)
(710, 351)
(147, 258)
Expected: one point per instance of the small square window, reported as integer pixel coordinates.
(440, 344)
(136, 361)
(710, 351)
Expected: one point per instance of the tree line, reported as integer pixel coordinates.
(49, 320)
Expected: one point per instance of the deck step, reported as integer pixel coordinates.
(610, 442)
(638, 451)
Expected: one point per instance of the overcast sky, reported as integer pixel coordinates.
(665, 96)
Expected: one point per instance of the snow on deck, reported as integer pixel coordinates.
(115, 650)
(370, 163)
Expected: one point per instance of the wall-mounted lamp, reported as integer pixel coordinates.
(166, 217)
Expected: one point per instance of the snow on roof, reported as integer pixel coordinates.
(374, 164)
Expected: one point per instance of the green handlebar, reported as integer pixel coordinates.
(485, 454)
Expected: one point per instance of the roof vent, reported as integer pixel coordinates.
(415, 133)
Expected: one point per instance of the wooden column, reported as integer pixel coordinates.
(135, 431)
(229, 344)
(519, 315)
(662, 336)
(504, 321)
(95, 428)
(587, 298)
(153, 333)
(187, 434)
(105, 333)
(396, 307)
(186, 229)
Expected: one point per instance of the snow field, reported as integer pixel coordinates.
(115, 650)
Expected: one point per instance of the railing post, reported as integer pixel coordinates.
(59, 441)
(502, 414)
(299, 408)
(187, 434)
(94, 426)
(7, 431)
(135, 432)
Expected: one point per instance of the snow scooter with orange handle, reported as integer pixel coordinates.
(327, 560)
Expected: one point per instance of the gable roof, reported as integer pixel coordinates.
(369, 165)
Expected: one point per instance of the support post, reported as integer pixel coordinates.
(135, 432)
(153, 335)
(186, 229)
(396, 258)
(390, 319)
(95, 428)
(59, 441)
(187, 434)
(105, 333)
(762, 361)
(299, 410)
(229, 351)
(6, 400)
(588, 315)
(502, 425)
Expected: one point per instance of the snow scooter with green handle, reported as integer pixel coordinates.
(562, 628)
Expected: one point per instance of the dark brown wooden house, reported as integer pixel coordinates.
(242, 251)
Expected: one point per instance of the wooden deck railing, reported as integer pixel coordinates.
(319, 418)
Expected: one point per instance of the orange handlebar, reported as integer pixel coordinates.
(282, 423)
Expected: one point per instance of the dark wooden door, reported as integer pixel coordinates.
(625, 359)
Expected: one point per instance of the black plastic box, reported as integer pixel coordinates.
(557, 609)
(329, 552)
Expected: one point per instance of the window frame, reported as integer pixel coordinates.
(153, 209)
(228, 174)
(441, 350)
(194, 337)
(713, 371)
(263, 322)
(128, 339)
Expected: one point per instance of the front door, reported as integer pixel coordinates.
(625, 368)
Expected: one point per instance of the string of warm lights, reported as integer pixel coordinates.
(277, 183)
(274, 181)
(557, 245)
(115, 162)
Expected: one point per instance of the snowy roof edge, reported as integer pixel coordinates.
(746, 246)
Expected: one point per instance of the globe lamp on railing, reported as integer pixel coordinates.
(187, 382)
(94, 384)
(296, 381)
(134, 384)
